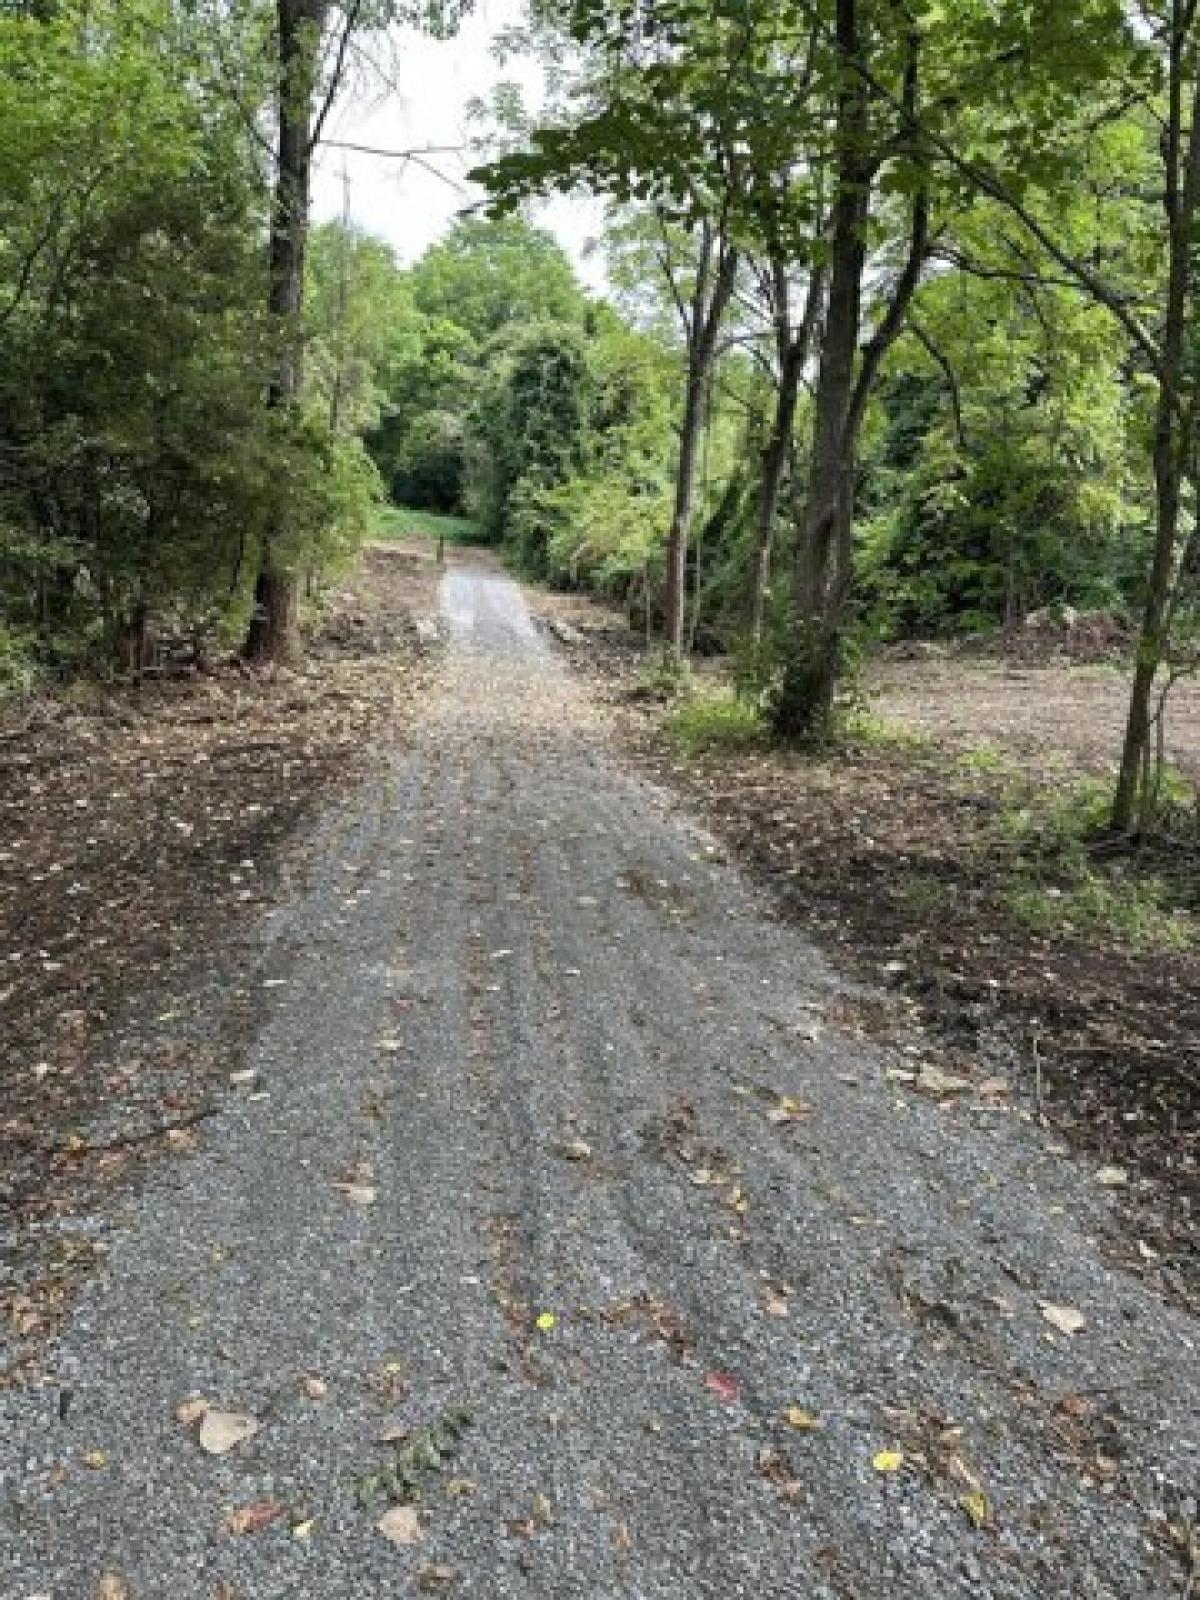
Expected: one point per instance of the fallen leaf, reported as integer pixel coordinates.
(435, 1574)
(724, 1385)
(315, 1388)
(774, 1305)
(1112, 1177)
(1076, 1405)
(577, 1150)
(96, 1459)
(888, 1461)
(788, 1110)
(932, 1080)
(1065, 1318)
(459, 1488)
(223, 1431)
(254, 1518)
(189, 1411)
(113, 1588)
(800, 1419)
(362, 1194)
(303, 1530)
(978, 1508)
(547, 1322)
(401, 1525)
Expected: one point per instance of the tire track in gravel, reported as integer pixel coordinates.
(508, 944)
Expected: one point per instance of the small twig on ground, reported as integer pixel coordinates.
(161, 1132)
(1037, 1079)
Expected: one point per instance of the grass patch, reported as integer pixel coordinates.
(857, 725)
(403, 522)
(1059, 887)
(715, 722)
(1133, 911)
(925, 896)
(987, 760)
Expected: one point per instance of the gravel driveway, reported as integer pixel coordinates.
(567, 1199)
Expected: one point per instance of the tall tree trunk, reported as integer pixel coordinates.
(273, 633)
(715, 276)
(695, 418)
(1174, 425)
(824, 570)
(805, 701)
(793, 358)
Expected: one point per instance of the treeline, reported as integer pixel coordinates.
(943, 260)
(901, 335)
(184, 385)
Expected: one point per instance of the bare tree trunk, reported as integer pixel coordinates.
(273, 633)
(715, 276)
(805, 700)
(793, 358)
(1174, 423)
(824, 568)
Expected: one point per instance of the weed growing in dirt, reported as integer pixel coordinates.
(665, 677)
(715, 722)
(1061, 887)
(925, 896)
(986, 759)
(1132, 911)
(858, 725)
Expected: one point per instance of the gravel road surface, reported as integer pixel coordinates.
(567, 1198)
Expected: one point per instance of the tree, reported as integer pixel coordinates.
(487, 275)
(313, 41)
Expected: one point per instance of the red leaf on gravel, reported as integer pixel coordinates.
(253, 1519)
(724, 1385)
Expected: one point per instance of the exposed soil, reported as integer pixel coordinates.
(142, 829)
(893, 853)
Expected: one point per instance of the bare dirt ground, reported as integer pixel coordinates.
(1059, 716)
(142, 831)
(568, 1235)
(895, 854)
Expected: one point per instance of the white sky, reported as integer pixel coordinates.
(433, 83)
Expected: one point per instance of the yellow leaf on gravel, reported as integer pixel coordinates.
(888, 1461)
(96, 1459)
(113, 1588)
(547, 1322)
(804, 1421)
(978, 1507)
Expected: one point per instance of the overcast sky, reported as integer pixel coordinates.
(433, 83)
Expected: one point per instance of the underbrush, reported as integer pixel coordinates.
(715, 721)
(1065, 883)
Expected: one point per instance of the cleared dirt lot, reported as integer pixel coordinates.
(1059, 716)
